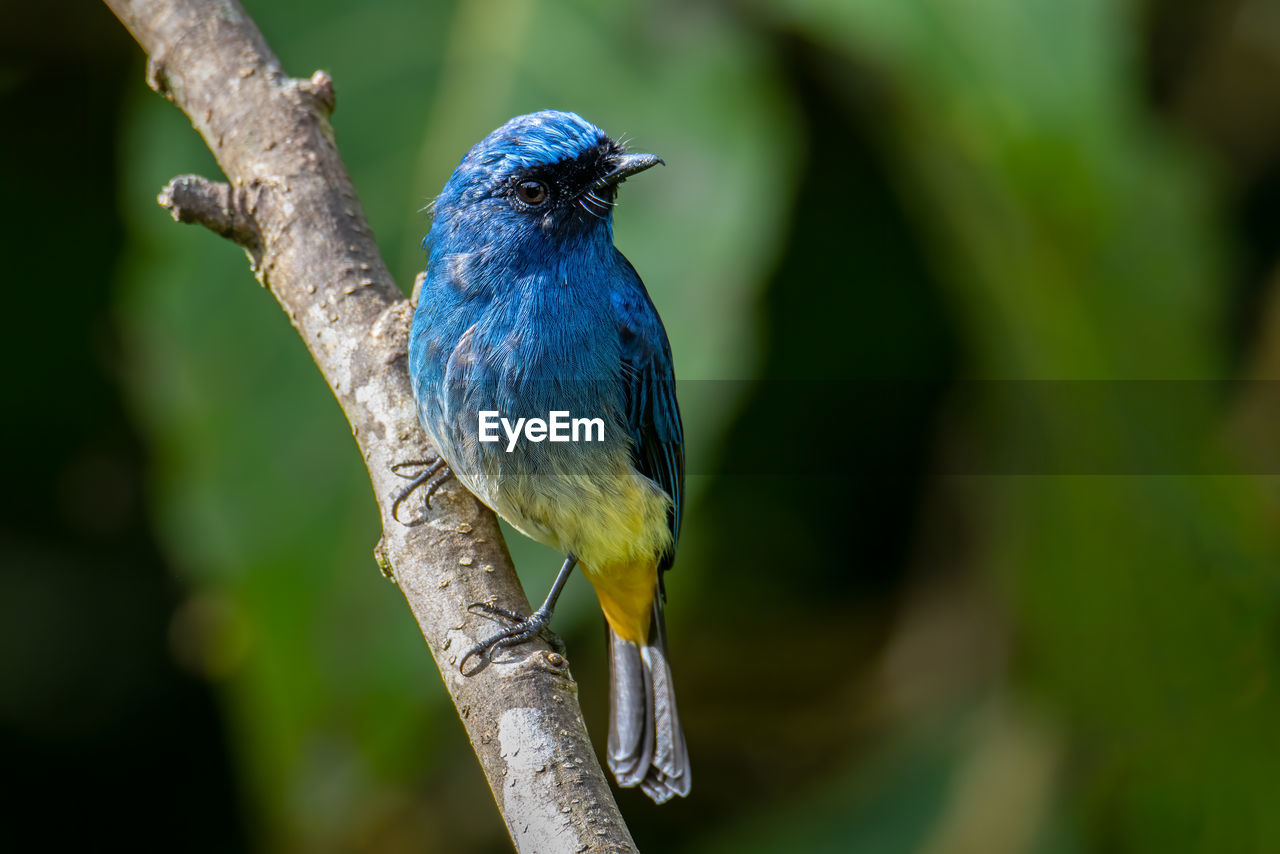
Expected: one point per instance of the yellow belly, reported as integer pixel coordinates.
(615, 523)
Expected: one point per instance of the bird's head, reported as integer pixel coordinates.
(544, 176)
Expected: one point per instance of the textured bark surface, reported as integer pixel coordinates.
(291, 205)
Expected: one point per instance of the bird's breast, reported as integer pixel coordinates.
(546, 350)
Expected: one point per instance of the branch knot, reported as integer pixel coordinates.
(158, 77)
(319, 91)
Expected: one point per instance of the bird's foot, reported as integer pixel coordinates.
(431, 473)
(519, 629)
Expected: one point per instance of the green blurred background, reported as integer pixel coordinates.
(876, 214)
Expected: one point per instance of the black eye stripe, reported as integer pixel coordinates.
(566, 179)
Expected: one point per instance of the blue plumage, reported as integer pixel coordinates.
(527, 309)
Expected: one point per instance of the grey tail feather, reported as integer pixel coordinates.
(646, 743)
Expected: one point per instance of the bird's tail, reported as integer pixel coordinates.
(646, 743)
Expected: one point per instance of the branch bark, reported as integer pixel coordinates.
(291, 205)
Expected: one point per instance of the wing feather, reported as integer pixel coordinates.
(649, 400)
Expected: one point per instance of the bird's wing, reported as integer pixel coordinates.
(649, 399)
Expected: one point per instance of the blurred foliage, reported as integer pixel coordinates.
(881, 220)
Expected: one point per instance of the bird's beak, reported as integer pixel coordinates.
(626, 165)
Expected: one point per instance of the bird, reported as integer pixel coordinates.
(526, 310)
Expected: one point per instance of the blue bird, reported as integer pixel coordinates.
(528, 312)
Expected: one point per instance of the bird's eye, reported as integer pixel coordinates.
(532, 192)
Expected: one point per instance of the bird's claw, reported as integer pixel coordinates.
(520, 630)
(431, 472)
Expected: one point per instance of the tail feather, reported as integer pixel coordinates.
(631, 709)
(646, 744)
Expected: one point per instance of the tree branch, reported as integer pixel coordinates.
(291, 205)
